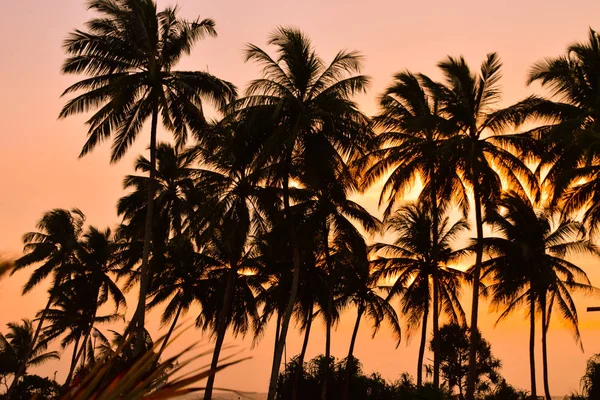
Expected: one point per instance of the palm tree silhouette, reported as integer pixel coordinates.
(410, 260)
(181, 283)
(53, 248)
(477, 150)
(412, 147)
(302, 97)
(129, 52)
(568, 134)
(72, 315)
(360, 285)
(529, 264)
(19, 350)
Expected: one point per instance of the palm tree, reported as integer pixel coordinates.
(234, 285)
(180, 284)
(409, 260)
(53, 248)
(302, 97)
(569, 128)
(478, 151)
(94, 276)
(235, 209)
(412, 147)
(19, 349)
(362, 292)
(73, 314)
(529, 264)
(175, 194)
(128, 54)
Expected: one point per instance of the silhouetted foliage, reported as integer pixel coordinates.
(454, 360)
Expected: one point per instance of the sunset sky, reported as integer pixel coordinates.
(39, 168)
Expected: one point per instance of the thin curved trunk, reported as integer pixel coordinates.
(73, 359)
(169, 332)
(36, 335)
(474, 337)
(138, 320)
(435, 244)
(350, 358)
(221, 330)
(328, 318)
(436, 331)
(532, 346)
(300, 369)
(422, 348)
(280, 343)
(85, 339)
(545, 325)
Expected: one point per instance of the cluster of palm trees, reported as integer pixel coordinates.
(252, 220)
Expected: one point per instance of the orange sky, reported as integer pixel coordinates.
(39, 168)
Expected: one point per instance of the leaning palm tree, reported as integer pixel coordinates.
(128, 53)
(21, 351)
(409, 260)
(529, 264)
(411, 147)
(478, 150)
(302, 97)
(53, 249)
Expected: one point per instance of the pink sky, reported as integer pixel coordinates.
(39, 168)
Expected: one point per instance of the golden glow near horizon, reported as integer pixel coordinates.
(39, 169)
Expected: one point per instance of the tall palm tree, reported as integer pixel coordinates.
(231, 301)
(529, 264)
(412, 147)
(478, 150)
(302, 97)
(53, 248)
(409, 260)
(235, 210)
(19, 349)
(128, 53)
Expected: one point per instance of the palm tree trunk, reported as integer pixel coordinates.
(21, 370)
(435, 261)
(328, 322)
(300, 367)
(350, 358)
(169, 332)
(422, 348)
(138, 320)
(545, 324)
(474, 337)
(436, 331)
(532, 345)
(73, 360)
(221, 330)
(84, 343)
(280, 342)
(277, 330)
